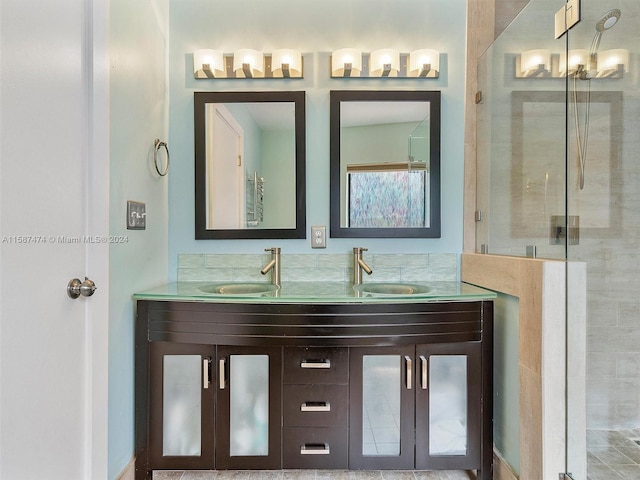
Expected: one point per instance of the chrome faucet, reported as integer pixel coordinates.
(273, 265)
(359, 265)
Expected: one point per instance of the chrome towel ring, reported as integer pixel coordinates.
(158, 145)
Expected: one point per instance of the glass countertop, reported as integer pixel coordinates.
(316, 292)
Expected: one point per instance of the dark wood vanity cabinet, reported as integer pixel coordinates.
(181, 406)
(416, 407)
(326, 386)
(248, 407)
(316, 407)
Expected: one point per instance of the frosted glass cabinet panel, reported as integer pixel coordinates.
(249, 422)
(381, 408)
(182, 405)
(448, 405)
(381, 377)
(249, 411)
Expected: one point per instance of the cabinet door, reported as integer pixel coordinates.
(448, 406)
(249, 412)
(381, 412)
(181, 400)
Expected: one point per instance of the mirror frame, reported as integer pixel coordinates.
(433, 97)
(200, 99)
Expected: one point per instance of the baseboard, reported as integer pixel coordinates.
(129, 472)
(501, 469)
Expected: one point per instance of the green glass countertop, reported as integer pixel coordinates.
(316, 292)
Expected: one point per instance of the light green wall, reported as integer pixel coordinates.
(315, 28)
(138, 115)
(278, 169)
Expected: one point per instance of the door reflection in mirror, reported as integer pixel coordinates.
(250, 165)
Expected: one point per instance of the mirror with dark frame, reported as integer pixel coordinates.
(249, 165)
(385, 164)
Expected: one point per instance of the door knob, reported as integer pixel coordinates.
(75, 288)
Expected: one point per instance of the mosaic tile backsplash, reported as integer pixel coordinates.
(441, 267)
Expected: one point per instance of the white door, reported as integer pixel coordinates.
(53, 217)
(225, 169)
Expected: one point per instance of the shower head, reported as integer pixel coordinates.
(608, 20)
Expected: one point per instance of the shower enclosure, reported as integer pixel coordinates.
(558, 131)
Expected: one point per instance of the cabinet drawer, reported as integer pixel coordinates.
(315, 405)
(316, 365)
(318, 447)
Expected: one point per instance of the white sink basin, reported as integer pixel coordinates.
(392, 289)
(244, 288)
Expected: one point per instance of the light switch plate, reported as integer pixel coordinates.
(319, 237)
(136, 215)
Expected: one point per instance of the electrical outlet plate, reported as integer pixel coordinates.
(319, 237)
(136, 215)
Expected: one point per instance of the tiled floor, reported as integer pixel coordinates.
(313, 475)
(613, 455)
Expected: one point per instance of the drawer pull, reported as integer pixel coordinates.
(315, 407)
(322, 363)
(315, 449)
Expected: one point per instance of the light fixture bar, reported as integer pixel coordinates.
(385, 63)
(248, 64)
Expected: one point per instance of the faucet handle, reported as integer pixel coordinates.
(272, 249)
(360, 249)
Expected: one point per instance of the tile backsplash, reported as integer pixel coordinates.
(318, 267)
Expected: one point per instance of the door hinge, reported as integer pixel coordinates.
(239, 160)
(478, 216)
(478, 96)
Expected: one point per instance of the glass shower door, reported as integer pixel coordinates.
(603, 194)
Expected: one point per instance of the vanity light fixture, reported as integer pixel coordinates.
(208, 63)
(534, 63)
(248, 63)
(424, 63)
(384, 63)
(576, 62)
(346, 62)
(612, 63)
(286, 63)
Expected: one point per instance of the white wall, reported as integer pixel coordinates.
(316, 28)
(139, 106)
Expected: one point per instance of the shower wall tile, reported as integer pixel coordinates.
(601, 364)
(628, 366)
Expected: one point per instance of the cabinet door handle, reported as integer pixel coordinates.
(206, 372)
(424, 365)
(409, 363)
(322, 363)
(221, 375)
(315, 407)
(315, 449)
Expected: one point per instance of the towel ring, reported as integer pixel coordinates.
(158, 144)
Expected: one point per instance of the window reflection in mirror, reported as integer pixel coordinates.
(385, 164)
(250, 155)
